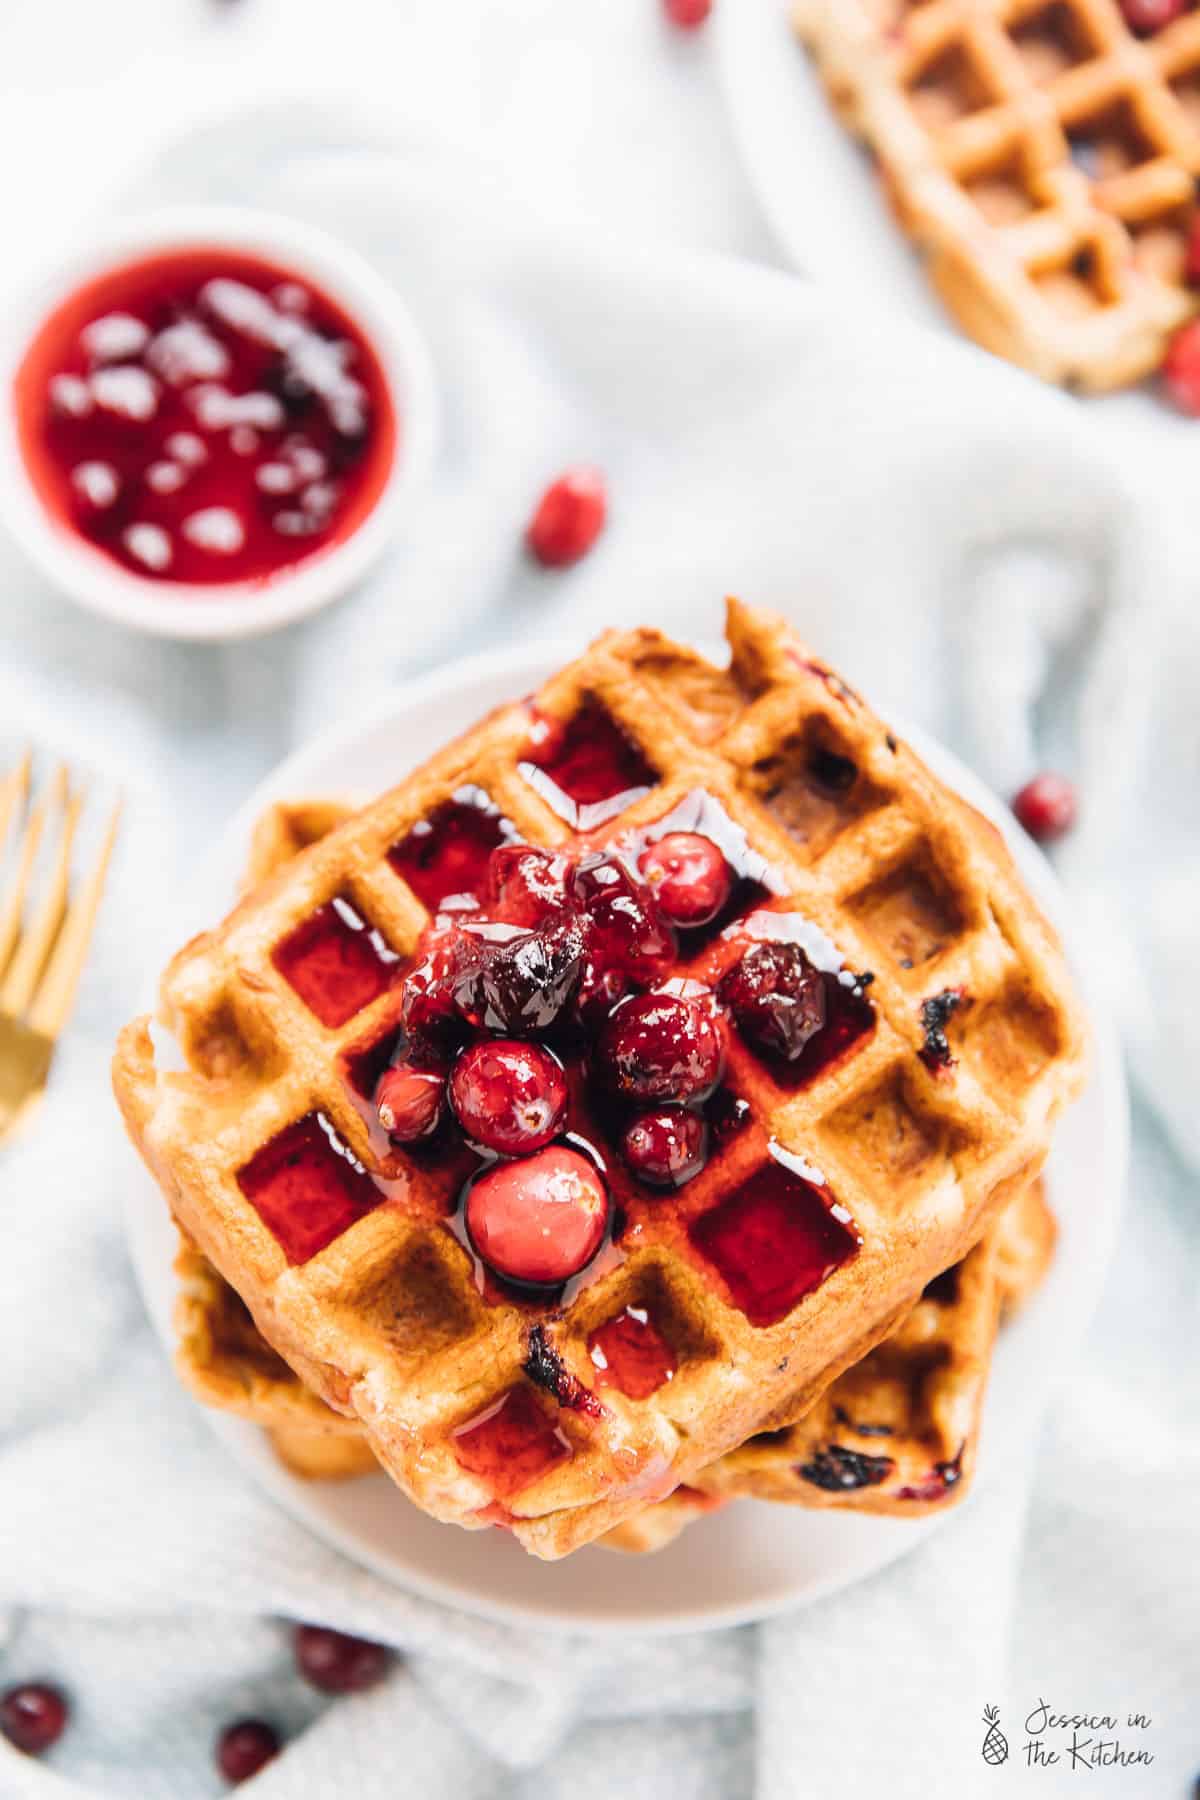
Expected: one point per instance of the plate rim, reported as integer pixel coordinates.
(218, 867)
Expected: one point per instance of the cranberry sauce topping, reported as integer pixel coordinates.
(773, 1240)
(206, 417)
(631, 1354)
(838, 1470)
(511, 1443)
(792, 1000)
(936, 1013)
(587, 769)
(447, 855)
(336, 963)
(558, 1073)
(307, 1187)
(941, 1478)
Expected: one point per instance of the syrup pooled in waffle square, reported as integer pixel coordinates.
(1043, 160)
(942, 1039)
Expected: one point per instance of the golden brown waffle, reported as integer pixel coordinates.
(898, 1433)
(228, 1364)
(1042, 159)
(922, 1388)
(386, 1320)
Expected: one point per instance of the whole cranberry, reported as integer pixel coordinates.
(776, 997)
(568, 518)
(1045, 806)
(409, 1102)
(337, 1663)
(33, 1716)
(246, 1747)
(538, 1221)
(600, 990)
(1181, 369)
(1145, 17)
(687, 14)
(447, 956)
(525, 886)
(689, 877)
(508, 1096)
(520, 983)
(627, 929)
(660, 1047)
(667, 1147)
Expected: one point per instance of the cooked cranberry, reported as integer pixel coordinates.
(521, 983)
(690, 878)
(599, 991)
(660, 1047)
(33, 1716)
(600, 876)
(409, 1102)
(568, 519)
(776, 997)
(1181, 369)
(428, 1010)
(687, 14)
(538, 1221)
(1045, 806)
(1145, 17)
(667, 1147)
(525, 885)
(246, 1747)
(508, 1096)
(838, 1470)
(337, 1663)
(628, 930)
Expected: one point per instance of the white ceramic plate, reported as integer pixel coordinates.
(826, 206)
(751, 1559)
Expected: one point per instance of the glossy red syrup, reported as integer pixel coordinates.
(587, 769)
(307, 1188)
(205, 417)
(336, 963)
(773, 1241)
(630, 1354)
(849, 1016)
(510, 1445)
(447, 854)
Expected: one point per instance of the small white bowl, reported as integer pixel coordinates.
(241, 609)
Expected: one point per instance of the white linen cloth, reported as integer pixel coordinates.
(956, 538)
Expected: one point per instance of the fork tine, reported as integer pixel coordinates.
(40, 931)
(14, 789)
(13, 900)
(54, 997)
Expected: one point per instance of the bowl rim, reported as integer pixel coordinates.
(200, 612)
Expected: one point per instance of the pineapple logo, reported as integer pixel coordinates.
(995, 1744)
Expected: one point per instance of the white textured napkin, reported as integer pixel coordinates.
(946, 531)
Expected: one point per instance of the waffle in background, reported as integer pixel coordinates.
(1041, 157)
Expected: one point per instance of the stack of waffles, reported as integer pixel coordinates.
(1042, 155)
(804, 1307)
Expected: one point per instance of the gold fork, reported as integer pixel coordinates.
(44, 934)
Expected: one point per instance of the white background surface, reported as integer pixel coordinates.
(592, 109)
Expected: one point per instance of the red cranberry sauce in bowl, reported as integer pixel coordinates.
(205, 416)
